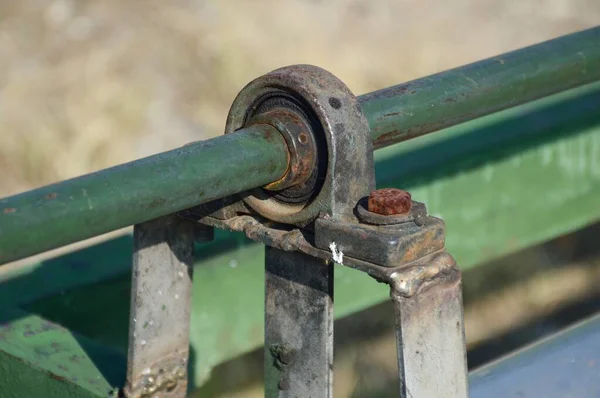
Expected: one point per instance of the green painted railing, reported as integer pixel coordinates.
(158, 185)
(473, 175)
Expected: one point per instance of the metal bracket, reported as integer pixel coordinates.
(330, 212)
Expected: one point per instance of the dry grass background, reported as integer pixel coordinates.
(85, 84)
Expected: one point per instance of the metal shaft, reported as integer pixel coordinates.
(139, 191)
(135, 192)
(298, 325)
(458, 95)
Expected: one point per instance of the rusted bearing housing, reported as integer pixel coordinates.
(302, 149)
(306, 99)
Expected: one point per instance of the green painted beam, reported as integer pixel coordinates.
(502, 183)
(42, 359)
(445, 99)
(139, 191)
(90, 205)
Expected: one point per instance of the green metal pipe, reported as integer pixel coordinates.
(87, 206)
(448, 98)
(135, 192)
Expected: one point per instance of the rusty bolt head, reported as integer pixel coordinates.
(389, 201)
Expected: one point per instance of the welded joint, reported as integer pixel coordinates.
(165, 376)
(407, 282)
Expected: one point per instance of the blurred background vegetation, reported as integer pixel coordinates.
(86, 84)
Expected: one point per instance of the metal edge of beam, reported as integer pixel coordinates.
(39, 358)
(563, 365)
(135, 192)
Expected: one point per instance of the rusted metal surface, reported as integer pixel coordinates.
(384, 245)
(160, 308)
(389, 202)
(340, 132)
(430, 338)
(298, 325)
(414, 244)
(416, 214)
(378, 232)
(302, 150)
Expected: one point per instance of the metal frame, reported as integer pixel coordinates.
(162, 184)
(335, 224)
(312, 198)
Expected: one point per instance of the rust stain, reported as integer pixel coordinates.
(390, 201)
(51, 196)
(9, 210)
(268, 133)
(57, 377)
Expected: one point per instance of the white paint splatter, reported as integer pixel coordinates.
(233, 263)
(146, 371)
(338, 256)
(176, 297)
(143, 342)
(180, 274)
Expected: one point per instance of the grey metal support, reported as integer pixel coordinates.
(431, 339)
(298, 325)
(332, 212)
(160, 308)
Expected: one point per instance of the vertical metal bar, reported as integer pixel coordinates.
(160, 308)
(431, 340)
(298, 325)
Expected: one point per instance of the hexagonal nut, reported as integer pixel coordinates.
(389, 201)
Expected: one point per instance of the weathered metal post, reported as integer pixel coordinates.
(427, 299)
(323, 210)
(161, 297)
